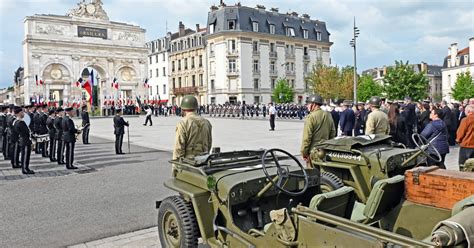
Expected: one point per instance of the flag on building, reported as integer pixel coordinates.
(115, 84)
(79, 82)
(145, 84)
(88, 86)
(38, 81)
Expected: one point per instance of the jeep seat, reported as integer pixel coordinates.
(385, 195)
(339, 202)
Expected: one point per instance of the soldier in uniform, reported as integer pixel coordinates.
(318, 126)
(10, 117)
(69, 137)
(42, 129)
(52, 135)
(85, 124)
(22, 133)
(119, 130)
(34, 125)
(3, 127)
(59, 135)
(193, 132)
(377, 120)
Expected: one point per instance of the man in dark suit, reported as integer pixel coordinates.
(42, 129)
(3, 127)
(59, 135)
(424, 118)
(347, 119)
(361, 117)
(22, 133)
(119, 130)
(35, 125)
(85, 124)
(69, 137)
(335, 116)
(10, 146)
(52, 135)
(411, 121)
(447, 117)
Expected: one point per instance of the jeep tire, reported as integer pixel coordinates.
(177, 225)
(330, 182)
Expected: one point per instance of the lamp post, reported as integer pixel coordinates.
(353, 44)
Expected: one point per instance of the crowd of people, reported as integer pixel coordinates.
(48, 131)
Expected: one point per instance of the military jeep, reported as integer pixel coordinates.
(361, 161)
(266, 198)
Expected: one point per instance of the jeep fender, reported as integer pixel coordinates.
(200, 200)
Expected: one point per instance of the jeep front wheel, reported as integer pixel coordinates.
(330, 182)
(177, 226)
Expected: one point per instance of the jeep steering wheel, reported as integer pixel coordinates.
(423, 144)
(283, 174)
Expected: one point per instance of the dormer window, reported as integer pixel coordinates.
(290, 32)
(272, 29)
(466, 59)
(211, 28)
(231, 24)
(305, 33)
(255, 26)
(318, 35)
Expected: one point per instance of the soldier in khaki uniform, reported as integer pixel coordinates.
(318, 126)
(193, 132)
(377, 121)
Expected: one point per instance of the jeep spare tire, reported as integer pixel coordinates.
(330, 182)
(177, 226)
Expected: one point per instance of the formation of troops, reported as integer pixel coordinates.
(49, 132)
(246, 111)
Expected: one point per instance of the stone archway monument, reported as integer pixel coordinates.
(57, 49)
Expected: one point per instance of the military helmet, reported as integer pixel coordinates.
(316, 98)
(189, 103)
(375, 101)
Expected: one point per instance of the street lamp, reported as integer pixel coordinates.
(353, 44)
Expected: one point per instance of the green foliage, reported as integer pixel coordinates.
(401, 81)
(464, 86)
(367, 87)
(283, 93)
(331, 82)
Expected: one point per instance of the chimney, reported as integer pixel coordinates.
(471, 50)
(294, 14)
(423, 67)
(274, 10)
(214, 8)
(260, 7)
(454, 53)
(306, 16)
(181, 28)
(197, 27)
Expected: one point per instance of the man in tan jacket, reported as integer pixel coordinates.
(193, 132)
(377, 121)
(465, 135)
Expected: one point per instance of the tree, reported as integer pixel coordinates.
(463, 87)
(367, 88)
(401, 81)
(330, 81)
(283, 93)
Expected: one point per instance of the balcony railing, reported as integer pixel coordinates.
(273, 73)
(273, 55)
(232, 73)
(306, 57)
(256, 72)
(290, 73)
(256, 53)
(233, 53)
(185, 90)
(289, 55)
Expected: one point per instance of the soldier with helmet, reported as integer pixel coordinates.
(377, 120)
(193, 132)
(318, 126)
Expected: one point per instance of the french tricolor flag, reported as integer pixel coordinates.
(38, 81)
(88, 85)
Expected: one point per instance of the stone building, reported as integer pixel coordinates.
(158, 51)
(60, 49)
(187, 64)
(456, 62)
(432, 73)
(249, 49)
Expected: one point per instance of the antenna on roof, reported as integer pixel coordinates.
(166, 25)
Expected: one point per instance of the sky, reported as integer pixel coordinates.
(408, 30)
